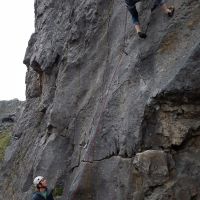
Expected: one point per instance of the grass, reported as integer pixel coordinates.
(5, 138)
(58, 191)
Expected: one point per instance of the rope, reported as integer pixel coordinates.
(106, 97)
(125, 27)
(149, 21)
(115, 69)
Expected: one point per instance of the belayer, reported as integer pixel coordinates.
(42, 193)
(134, 13)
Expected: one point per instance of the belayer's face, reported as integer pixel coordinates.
(43, 182)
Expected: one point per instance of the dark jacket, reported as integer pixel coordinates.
(38, 196)
(131, 3)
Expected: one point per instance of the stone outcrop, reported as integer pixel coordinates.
(10, 112)
(108, 115)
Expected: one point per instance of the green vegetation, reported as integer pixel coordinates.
(58, 191)
(5, 138)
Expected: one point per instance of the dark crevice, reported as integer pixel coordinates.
(151, 137)
(184, 144)
(99, 160)
(36, 66)
(151, 189)
(177, 98)
(194, 197)
(107, 158)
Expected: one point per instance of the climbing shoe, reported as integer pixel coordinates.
(171, 13)
(142, 35)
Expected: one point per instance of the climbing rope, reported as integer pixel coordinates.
(149, 21)
(106, 96)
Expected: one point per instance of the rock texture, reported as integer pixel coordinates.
(108, 115)
(10, 111)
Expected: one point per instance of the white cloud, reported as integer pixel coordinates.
(17, 25)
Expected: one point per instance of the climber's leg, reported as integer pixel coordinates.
(134, 14)
(157, 3)
(136, 23)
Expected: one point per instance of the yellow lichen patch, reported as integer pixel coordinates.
(5, 138)
(169, 43)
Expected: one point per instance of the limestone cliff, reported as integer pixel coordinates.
(108, 115)
(10, 112)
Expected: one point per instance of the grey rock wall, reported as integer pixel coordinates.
(108, 115)
(10, 112)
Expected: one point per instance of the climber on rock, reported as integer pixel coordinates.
(42, 193)
(131, 5)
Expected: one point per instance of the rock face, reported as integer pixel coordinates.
(108, 115)
(10, 111)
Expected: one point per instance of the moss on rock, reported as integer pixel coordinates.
(58, 191)
(5, 138)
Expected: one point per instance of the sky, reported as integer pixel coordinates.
(16, 27)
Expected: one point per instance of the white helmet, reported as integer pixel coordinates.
(37, 180)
